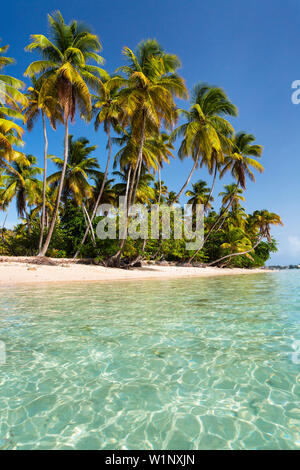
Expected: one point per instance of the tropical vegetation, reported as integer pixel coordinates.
(136, 106)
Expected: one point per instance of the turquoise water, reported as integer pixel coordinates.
(183, 364)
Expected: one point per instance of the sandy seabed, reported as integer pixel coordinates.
(13, 272)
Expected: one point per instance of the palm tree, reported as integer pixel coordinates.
(231, 196)
(108, 192)
(110, 114)
(199, 195)
(52, 111)
(148, 95)
(261, 221)
(11, 102)
(66, 74)
(22, 185)
(171, 198)
(163, 148)
(161, 190)
(205, 133)
(237, 243)
(239, 162)
(80, 167)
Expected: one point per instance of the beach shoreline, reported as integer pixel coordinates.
(24, 272)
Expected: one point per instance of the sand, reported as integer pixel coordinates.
(14, 273)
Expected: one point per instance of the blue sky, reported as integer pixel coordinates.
(250, 48)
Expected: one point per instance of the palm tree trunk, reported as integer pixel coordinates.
(88, 223)
(225, 210)
(189, 178)
(138, 166)
(215, 224)
(100, 192)
(60, 188)
(159, 181)
(212, 188)
(115, 259)
(238, 254)
(44, 183)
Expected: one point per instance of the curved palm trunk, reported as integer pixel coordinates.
(138, 166)
(237, 254)
(188, 179)
(159, 181)
(211, 191)
(60, 188)
(100, 193)
(44, 183)
(88, 223)
(215, 224)
(115, 259)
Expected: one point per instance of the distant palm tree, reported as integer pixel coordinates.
(66, 75)
(199, 195)
(261, 220)
(80, 167)
(239, 161)
(205, 132)
(12, 101)
(232, 194)
(22, 185)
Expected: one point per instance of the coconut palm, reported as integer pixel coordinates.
(80, 167)
(205, 132)
(237, 243)
(232, 194)
(66, 76)
(163, 148)
(199, 195)
(261, 221)
(33, 111)
(11, 102)
(109, 113)
(148, 95)
(22, 185)
(239, 161)
(161, 191)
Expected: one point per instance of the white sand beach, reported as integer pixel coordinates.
(14, 272)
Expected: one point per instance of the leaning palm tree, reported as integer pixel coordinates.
(239, 161)
(261, 221)
(52, 111)
(230, 197)
(205, 132)
(66, 76)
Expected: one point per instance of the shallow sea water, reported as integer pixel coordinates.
(179, 364)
